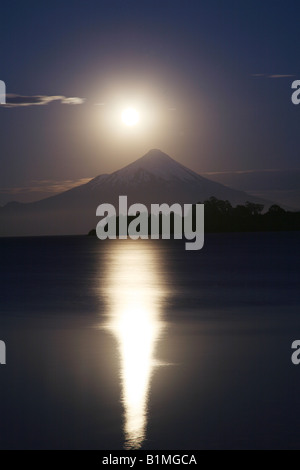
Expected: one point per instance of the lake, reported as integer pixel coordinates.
(142, 345)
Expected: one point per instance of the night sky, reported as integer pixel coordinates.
(212, 80)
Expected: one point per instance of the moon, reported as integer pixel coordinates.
(130, 117)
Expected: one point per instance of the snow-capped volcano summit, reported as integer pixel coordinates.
(159, 165)
(153, 179)
(155, 164)
(158, 178)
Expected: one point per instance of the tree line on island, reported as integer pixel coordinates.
(221, 216)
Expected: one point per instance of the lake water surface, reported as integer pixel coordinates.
(142, 345)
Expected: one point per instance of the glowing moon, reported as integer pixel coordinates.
(130, 117)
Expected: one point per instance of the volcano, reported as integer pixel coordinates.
(155, 178)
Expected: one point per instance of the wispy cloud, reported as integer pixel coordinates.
(75, 100)
(266, 75)
(282, 76)
(16, 101)
(244, 172)
(259, 180)
(44, 187)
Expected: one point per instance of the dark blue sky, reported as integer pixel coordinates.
(190, 64)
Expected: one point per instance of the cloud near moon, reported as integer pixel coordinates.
(15, 101)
